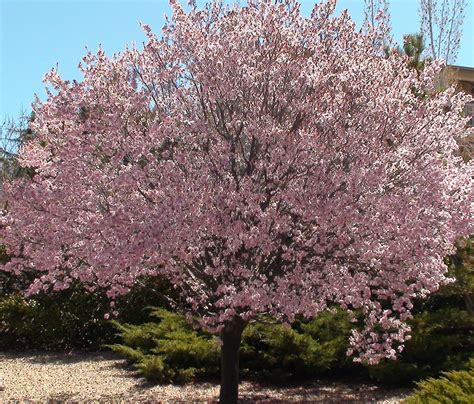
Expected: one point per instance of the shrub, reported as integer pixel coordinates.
(16, 325)
(269, 352)
(442, 339)
(168, 349)
(65, 320)
(281, 354)
(453, 387)
(277, 353)
(69, 318)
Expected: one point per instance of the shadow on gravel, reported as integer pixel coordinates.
(321, 390)
(60, 357)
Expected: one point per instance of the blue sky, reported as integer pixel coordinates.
(35, 35)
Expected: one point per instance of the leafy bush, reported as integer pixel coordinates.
(442, 339)
(274, 352)
(16, 327)
(453, 387)
(281, 354)
(69, 318)
(278, 353)
(169, 349)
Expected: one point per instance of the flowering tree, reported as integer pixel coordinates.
(262, 162)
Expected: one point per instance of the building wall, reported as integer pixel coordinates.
(463, 77)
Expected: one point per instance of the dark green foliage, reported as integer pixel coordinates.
(443, 328)
(442, 339)
(168, 349)
(461, 267)
(63, 320)
(69, 318)
(456, 387)
(15, 327)
(413, 47)
(279, 353)
(274, 352)
(134, 307)
(333, 330)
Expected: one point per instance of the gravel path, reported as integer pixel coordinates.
(74, 377)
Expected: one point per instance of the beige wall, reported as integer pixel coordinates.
(464, 77)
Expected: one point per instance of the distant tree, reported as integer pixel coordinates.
(413, 47)
(13, 133)
(441, 26)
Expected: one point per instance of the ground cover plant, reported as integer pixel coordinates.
(262, 162)
(452, 387)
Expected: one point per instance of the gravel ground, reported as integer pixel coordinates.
(80, 377)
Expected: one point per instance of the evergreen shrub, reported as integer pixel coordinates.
(455, 387)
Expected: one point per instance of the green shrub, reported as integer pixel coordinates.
(152, 368)
(133, 355)
(275, 353)
(442, 339)
(332, 330)
(455, 387)
(69, 318)
(281, 354)
(41, 322)
(16, 325)
(168, 349)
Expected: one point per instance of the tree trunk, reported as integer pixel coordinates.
(230, 337)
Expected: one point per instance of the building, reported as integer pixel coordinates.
(463, 77)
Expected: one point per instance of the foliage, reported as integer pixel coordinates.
(69, 318)
(456, 387)
(442, 339)
(169, 349)
(270, 352)
(413, 47)
(65, 319)
(461, 267)
(13, 133)
(281, 354)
